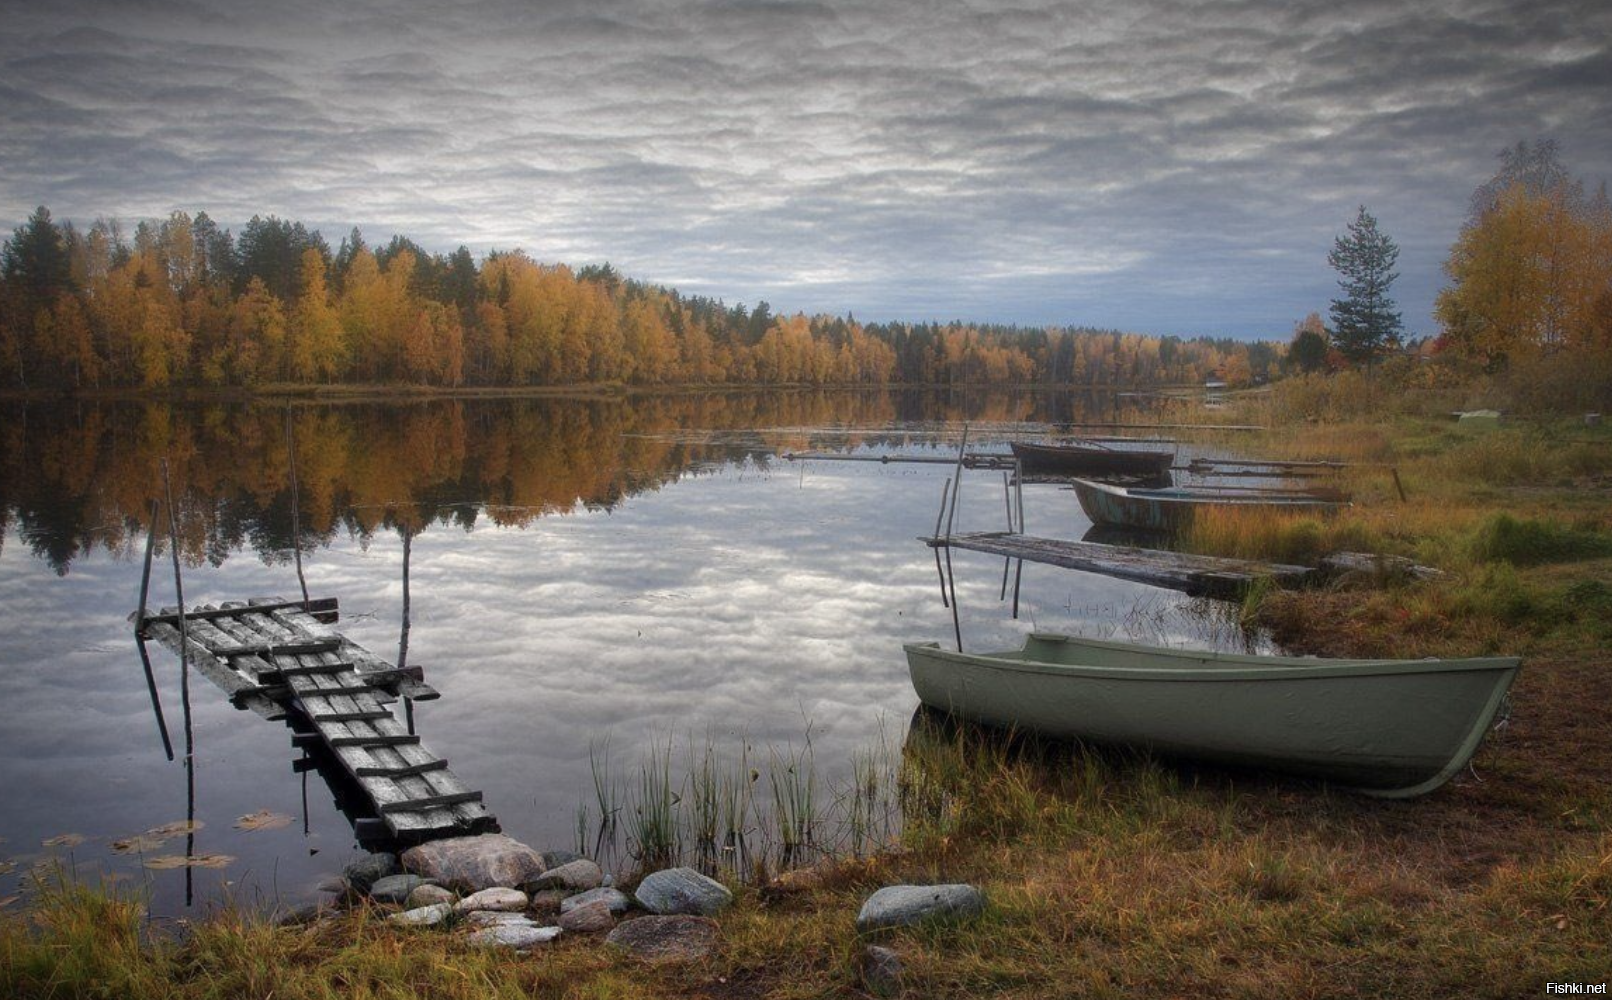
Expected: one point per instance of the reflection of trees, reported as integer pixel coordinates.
(74, 477)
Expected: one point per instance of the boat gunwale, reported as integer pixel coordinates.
(1207, 666)
(1174, 495)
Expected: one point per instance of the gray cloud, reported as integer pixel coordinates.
(1158, 166)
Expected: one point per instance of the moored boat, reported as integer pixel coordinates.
(1389, 728)
(1091, 459)
(1173, 509)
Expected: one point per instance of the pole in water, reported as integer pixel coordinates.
(957, 477)
(184, 690)
(944, 489)
(296, 510)
(139, 637)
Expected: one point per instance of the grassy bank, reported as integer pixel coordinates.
(1114, 875)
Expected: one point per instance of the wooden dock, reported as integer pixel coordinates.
(1210, 576)
(276, 657)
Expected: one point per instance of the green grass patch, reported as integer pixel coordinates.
(1526, 541)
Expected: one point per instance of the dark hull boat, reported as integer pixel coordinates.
(1092, 460)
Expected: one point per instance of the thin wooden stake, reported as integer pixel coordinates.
(939, 516)
(1397, 484)
(957, 477)
(156, 699)
(296, 510)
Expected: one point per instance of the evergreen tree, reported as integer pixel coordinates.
(36, 260)
(1364, 321)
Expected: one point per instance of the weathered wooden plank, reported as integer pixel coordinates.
(1194, 574)
(400, 770)
(281, 648)
(325, 608)
(215, 670)
(357, 715)
(430, 802)
(276, 674)
(411, 686)
(374, 740)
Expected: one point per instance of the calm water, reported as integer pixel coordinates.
(580, 571)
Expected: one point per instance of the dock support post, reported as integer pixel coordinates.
(140, 642)
(296, 510)
(939, 516)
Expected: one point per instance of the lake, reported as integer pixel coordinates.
(587, 577)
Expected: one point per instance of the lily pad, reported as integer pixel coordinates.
(138, 844)
(263, 819)
(64, 840)
(177, 828)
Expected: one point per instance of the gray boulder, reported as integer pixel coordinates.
(905, 905)
(496, 898)
(682, 890)
(589, 918)
(471, 864)
(516, 936)
(395, 888)
(497, 918)
(428, 895)
(366, 871)
(678, 938)
(573, 875)
(615, 899)
(425, 916)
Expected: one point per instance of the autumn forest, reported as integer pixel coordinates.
(185, 303)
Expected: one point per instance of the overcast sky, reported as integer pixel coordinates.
(1163, 167)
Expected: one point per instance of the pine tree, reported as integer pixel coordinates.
(1364, 321)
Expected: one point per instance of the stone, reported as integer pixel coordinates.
(471, 864)
(366, 871)
(428, 895)
(881, 971)
(496, 898)
(905, 905)
(677, 938)
(395, 888)
(516, 936)
(549, 900)
(497, 918)
(425, 916)
(556, 858)
(573, 875)
(617, 900)
(589, 918)
(682, 890)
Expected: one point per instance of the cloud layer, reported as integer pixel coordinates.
(1165, 167)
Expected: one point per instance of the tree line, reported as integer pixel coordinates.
(187, 303)
(1530, 278)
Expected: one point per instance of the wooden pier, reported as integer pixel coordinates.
(277, 657)
(1210, 576)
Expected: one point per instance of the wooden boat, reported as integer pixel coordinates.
(1090, 459)
(1172, 509)
(1389, 728)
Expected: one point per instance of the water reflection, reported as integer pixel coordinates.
(578, 570)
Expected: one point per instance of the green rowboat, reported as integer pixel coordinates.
(1173, 509)
(1390, 728)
